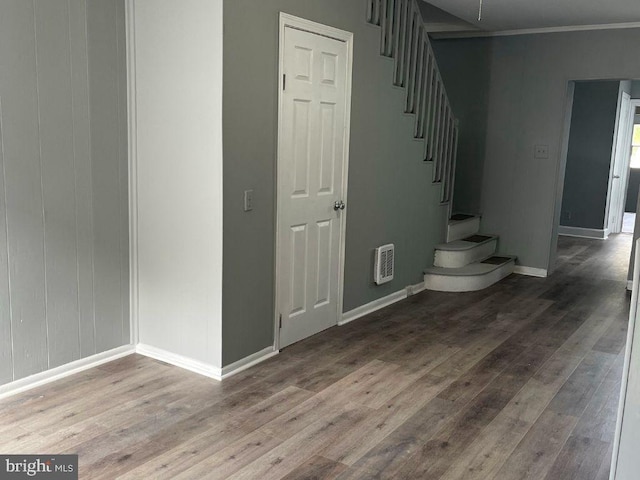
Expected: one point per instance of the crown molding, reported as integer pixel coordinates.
(536, 31)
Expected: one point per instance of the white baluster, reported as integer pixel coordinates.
(376, 12)
(445, 152)
(417, 88)
(384, 25)
(434, 120)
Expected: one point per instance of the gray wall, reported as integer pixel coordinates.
(529, 77)
(63, 180)
(586, 181)
(635, 89)
(632, 191)
(465, 68)
(390, 199)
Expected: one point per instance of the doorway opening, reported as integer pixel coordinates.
(631, 198)
(599, 187)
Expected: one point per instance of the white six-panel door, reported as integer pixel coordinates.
(310, 182)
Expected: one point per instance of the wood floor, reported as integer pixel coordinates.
(519, 381)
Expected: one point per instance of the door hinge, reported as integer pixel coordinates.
(280, 320)
(284, 81)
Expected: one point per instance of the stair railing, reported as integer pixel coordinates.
(404, 38)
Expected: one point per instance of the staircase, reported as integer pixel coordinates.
(467, 262)
(404, 38)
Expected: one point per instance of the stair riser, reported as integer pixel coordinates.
(463, 229)
(461, 283)
(457, 259)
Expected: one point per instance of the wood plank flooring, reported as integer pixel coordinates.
(519, 381)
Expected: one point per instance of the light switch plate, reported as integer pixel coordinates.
(248, 200)
(541, 151)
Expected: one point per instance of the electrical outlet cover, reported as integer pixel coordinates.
(541, 151)
(248, 200)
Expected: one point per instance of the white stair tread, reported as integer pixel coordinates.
(462, 245)
(461, 226)
(453, 220)
(473, 269)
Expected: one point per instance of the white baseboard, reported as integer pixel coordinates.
(77, 366)
(372, 307)
(531, 272)
(62, 371)
(181, 361)
(202, 368)
(248, 362)
(414, 289)
(598, 234)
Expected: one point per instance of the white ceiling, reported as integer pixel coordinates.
(501, 15)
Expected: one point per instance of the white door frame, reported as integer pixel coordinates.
(623, 127)
(633, 105)
(630, 344)
(287, 20)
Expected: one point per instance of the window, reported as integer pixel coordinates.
(635, 147)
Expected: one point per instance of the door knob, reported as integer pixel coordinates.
(339, 205)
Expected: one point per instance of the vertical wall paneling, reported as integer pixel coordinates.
(103, 90)
(24, 208)
(6, 353)
(58, 185)
(79, 65)
(63, 183)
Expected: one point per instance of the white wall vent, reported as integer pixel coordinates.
(383, 266)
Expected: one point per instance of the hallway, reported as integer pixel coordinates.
(519, 381)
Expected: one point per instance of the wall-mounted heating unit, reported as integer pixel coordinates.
(383, 266)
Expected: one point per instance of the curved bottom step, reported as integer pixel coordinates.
(470, 278)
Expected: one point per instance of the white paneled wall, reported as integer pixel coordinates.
(63, 183)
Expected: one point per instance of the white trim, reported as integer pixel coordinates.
(287, 20)
(63, 371)
(537, 31)
(531, 271)
(415, 289)
(630, 285)
(248, 362)
(181, 361)
(133, 170)
(203, 368)
(633, 311)
(626, 133)
(598, 234)
(371, 307)
(613, 163)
